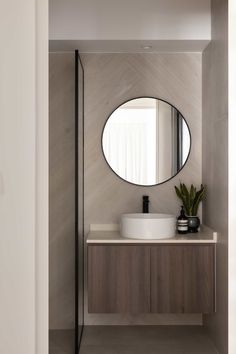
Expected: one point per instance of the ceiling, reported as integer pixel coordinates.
(135, 46)
(129, 25)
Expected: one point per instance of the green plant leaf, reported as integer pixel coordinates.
(192, 193)
(181, 196)
(178, 192)
(187, 199)
(190, 198)
(198, 198)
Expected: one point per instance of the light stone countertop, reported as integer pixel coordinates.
(205, 235)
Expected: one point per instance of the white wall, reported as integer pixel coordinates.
(23, 177)
(130, 19)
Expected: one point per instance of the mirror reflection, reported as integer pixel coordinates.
(146, 141)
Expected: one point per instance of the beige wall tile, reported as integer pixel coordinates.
(110, 79)
(215, 161)
(61, 191)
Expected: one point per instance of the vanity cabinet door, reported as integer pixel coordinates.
(118, 279)
(182, 279)
(199, 278)
(167, 279)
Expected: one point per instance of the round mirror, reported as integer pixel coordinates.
(146, 141)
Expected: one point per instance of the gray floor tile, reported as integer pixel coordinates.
(94, 349)
(135, 340)
(162, 337)
(119, 349)
(61, 342)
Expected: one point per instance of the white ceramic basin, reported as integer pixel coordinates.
(148, 226)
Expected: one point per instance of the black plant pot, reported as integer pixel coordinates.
(193, 224)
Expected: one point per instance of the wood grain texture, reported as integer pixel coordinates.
(157, 279)
(167, 279)
(199, 279)
(119, 279)
(183, 279)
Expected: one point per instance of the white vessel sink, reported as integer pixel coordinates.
(148, 226)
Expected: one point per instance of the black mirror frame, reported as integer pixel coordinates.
(146, 185)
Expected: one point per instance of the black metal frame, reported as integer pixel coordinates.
(77, 62)
(146, 185)
(179, 140)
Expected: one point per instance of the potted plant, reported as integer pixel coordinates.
(191, 198)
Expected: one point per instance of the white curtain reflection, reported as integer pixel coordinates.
(146, 141)
(129, 143)
(185, 141)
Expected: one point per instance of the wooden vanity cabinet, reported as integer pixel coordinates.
(183, 278)
(118, 279)
(163, 278)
